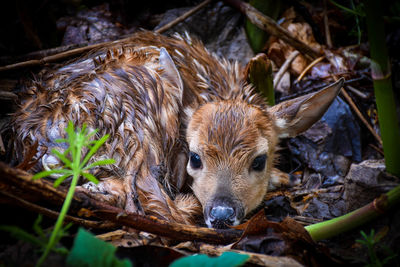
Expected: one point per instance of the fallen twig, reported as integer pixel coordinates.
(77, 51)
(380, 151)
(269, 25)
(312, 64)
(326, 25)
(21, 180)
(183, 17)
(357, 92)
(2, 148)
(174, 231)
(359, 114)
(54, 214)
(284, 67)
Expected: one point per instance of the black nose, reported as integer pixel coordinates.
(222, 213)
(221, 216)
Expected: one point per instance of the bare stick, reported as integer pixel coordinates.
(2, 148)
(77, 51)
(13, 179)
(53, 214)
(269, 25)
(175, 231)
(359, 114)
(312, 64)
(183, 17)
(380, 151)
(285, 66)
(357, 92)
(326, 24)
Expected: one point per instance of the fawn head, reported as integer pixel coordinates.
(232, 145)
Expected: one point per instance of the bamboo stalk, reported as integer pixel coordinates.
(336, 226)
(259, 72)
(381, 74)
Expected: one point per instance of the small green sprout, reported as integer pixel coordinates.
(38, 239)
(371, 241)
(73, 166)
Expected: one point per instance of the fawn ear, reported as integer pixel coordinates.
(297, 115)
(170, 73)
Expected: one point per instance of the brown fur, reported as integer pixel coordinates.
(145, 100)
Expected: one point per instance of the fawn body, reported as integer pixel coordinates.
(177, 116)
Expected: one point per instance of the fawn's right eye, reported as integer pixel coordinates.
(195, 161)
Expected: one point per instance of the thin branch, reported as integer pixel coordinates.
(54, 214)
(22, 181)
(380, 151)
(77, 51)
(359, 114)
(312, 64)
(357, 92)
(326, 24)
(269, 25)
(2, 148)
(285, 66)
(183, 17)
(175, 231)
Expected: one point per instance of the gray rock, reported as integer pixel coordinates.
(330, 144)
(366, 181)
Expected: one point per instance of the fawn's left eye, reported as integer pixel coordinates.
(258, 163)
(195, 161)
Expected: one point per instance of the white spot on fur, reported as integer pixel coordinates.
(282, 124)
(262, 146)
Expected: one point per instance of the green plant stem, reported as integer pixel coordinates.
(260, 75)
(381, 74)
(257, 37)
(64, 210)
(333, 227)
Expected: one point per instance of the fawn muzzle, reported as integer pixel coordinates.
(222, 212)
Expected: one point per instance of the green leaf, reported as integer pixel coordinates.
(100, 163)
(351, 11)
(93, 149)
(92, 133)
(90, 177)
(37, 228)
(22, 235)
(50, 172)
(258, 38)
(226, 259)
(62, 157)
(61, 140)
(61, 179)
(89, 251)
